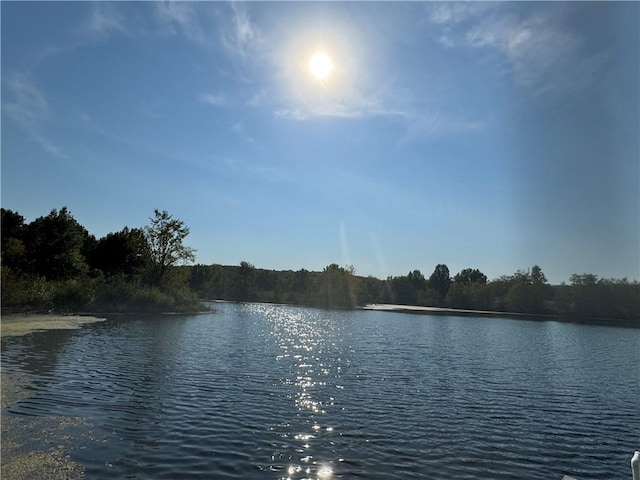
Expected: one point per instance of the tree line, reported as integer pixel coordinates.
(55, 263)
(528, 291)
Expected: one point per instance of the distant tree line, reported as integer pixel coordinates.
(337, 287)
(54, 263)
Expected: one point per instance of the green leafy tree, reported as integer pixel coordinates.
(336, 287)
(13, 248)
(56, 246)
(529, 291)
(165, 236)
(12, 224)
(440, 281)
(459, 295)
(591, 297)
(14, 254)
(122, 253)
(469, 276)
(247, 280)
(406, 289)
(586, 279)
(537, 277)
(369, 291)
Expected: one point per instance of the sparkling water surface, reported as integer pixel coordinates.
(277, 392)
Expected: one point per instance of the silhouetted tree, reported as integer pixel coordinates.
(468, 276)
(529, 291)
(56, 246)
(406, 289)
(165, 237)
(459, 295)
(537, 277)
(125, 252)
(12, 225)
(336, 287)
(13, 248)
(247, 278)
(440, 280)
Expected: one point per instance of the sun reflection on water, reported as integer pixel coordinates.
(310, 351)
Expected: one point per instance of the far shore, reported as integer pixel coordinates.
(447, 311)
(21, 324)
(416, 309)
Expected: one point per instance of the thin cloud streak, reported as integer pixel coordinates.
(437, 124)
(243, 37)
(456, 12)
(29, 109)
(214, 99)
(181, 17)
(104, 20)
(542, 55)
(239, 129)
(29, 103)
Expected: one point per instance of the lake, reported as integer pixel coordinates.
(276, 392)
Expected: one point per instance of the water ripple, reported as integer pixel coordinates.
(262, 391)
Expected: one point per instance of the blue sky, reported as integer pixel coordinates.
(485, 135)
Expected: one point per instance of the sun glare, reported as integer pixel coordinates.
(320, 65)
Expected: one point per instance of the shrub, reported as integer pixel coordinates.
(73, 295)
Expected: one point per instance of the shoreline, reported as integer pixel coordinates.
(419, 310)
(16, 325)
(388, 307)
(38, 447)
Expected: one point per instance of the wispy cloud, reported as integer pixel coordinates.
(436, 124)
(357, 100)
(305, 111)
(420, 121)
(209, 26)
(29, 104)
(181, 17)
(456, 12)
(242, 36)
(239, 129)
(217, 27)
(257, 99)
(47, 145)
(29, 108)
(104, 19)
(215, 99)
(541, 52)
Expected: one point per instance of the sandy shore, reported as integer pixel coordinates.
(37, 447)
(16, 325)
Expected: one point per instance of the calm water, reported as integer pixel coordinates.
(273, 392)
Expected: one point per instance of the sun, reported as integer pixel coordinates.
(320, 65)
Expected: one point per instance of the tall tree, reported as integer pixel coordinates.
(468, 276)
(56, 245)
(165, 236)
(13, 248)
(406, 289)
(529, 291)
(336, 287)
(12, 225)
(537, 277)
(440, 280)
(247, 277)
(125, 252)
